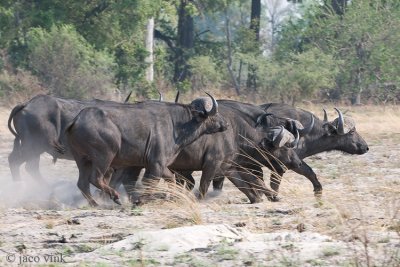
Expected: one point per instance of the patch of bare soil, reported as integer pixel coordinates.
(356, 222)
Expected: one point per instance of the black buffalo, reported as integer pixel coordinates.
(148, 134)
(39, 126)
(339, 134)
(230, 152)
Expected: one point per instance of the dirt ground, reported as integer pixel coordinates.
(355, 223)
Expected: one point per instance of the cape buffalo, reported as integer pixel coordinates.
(339, 134)
(223, 153)
(148, 134)
(39, 126)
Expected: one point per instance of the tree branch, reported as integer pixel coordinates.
(168, 40)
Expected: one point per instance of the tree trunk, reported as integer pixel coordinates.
(255, 27)
(357, 98)
(229, 63)
(149, 47)
(255, 17)
(339, 6)
(185, 42)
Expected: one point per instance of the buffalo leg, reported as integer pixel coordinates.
(32, 167)
(107, 179)
(152, 176)
(218, 183)
(251, 176)
(85, 167)
(208, 173)
(15, 160)
(128, 177)
(97, 179)
(244, 187)
(276, 175)
(308, 172)
(304, 170)
(185, 178)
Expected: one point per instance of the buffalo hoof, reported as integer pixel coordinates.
(93, 204)
(256, 200)
(274, 199)
(137, 202)
(318, 193)
(118, 201)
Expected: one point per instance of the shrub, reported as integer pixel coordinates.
(68, 65)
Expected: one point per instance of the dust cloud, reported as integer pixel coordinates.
(57, 191)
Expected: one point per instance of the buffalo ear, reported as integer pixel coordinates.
(290, 125)
(265, 143)
(199, 115)
(329, 128)
(263, 119)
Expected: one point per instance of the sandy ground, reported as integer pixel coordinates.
(355, 223)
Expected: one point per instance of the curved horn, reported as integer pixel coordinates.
(325, 116)
(129, 96)
(177, 97)
(214, 108)
(340, 124)
(278, 138)
(308, 129)
(161, 97)
(262, 117)
(296, 140)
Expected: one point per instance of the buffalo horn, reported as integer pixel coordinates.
(325, 116)
(214, 108)
(340, 124)
(262, 117)
(308, 129)
(160, 99)
(278, 138)
(296, 140)
(177, 96)
(127, 98)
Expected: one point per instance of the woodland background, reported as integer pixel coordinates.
(271, 50)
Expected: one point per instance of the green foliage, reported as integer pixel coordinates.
(80, 48)
(67, 64)
(299, 77)
(363, 39)
(18, 85)
(204, 72)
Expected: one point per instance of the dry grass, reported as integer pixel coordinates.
(169, 197)
(371, 121)
(360, 204)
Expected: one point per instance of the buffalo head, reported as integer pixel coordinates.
(270, 120)
(343, 131)
(205, 110)
(279, 143)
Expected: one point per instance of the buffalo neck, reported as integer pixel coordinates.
(186, 128)
(315, 142)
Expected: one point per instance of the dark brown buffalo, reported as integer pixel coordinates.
(148, 134)
(339, 134)
(220, 154)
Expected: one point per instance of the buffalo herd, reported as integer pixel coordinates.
(112, 142)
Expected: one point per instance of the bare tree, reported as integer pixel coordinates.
(276, 12)
(149, 48)
(255, 27)
(185, 40)
(229, 53)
